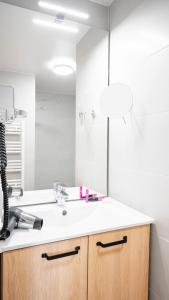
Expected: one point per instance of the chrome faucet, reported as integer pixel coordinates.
(61, 196)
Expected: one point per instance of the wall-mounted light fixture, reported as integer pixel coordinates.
(55, 25)
(63, 10)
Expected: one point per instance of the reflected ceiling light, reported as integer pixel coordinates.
(55, 25)
(63, 70)
(61, 9)
(62, 66)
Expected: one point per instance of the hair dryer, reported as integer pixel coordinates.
(18, 219)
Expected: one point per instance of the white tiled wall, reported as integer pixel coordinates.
(55, 140)
(139, 150)
(91, 134)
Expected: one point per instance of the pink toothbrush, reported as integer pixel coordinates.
(81, 192)
(87, 195)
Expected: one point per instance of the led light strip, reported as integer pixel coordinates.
(61, 9)
(55, 25)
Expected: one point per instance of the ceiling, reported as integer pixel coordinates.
(31, 49)
(103, 2)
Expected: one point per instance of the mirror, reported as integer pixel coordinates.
(116, 100)
(39, 59)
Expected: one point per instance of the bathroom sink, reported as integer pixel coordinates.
(56, 216)
(76, 219)
(75, 213)
(80, 218)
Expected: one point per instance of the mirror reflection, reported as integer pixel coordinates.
(42, 57)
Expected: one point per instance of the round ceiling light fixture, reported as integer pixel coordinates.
(63, 69)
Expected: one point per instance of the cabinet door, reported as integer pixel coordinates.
(118, 266)
(38, 273)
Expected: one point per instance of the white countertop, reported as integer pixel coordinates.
(82, 219)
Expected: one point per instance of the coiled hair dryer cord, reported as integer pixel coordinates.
(3, 164)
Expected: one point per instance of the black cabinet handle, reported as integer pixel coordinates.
(61, 255)
(123, 241)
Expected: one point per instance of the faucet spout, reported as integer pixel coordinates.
(61, 195)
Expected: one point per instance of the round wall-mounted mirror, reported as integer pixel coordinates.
(116, 100)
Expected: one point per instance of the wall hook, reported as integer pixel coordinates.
(93, 114)
(82, 116)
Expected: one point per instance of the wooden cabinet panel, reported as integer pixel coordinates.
(119, 272)
(28, 276)
(116, 272)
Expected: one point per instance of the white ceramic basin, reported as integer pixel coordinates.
(80, 214)
(56, 216)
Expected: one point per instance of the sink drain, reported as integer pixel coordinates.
(64, 212)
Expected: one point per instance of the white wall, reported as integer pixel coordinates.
(91, 135)
(24, 87)
(55, 139)
(139, 150)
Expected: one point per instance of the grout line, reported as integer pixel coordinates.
(148, 115)
(139, 171)
(159, 51)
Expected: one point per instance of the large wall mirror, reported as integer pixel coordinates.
(58, 69)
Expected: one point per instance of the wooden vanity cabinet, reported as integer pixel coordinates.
(107, 266)
(118, 265)
(29, 276)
